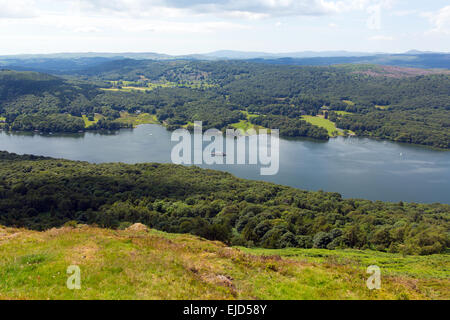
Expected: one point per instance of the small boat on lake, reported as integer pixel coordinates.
(218, 154)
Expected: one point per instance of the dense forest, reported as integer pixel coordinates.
(40, 193)
(391, 103)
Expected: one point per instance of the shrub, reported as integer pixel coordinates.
(321, 240)
(305, 242)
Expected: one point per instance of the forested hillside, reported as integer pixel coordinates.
(405, 105)
(40, 193)
(36, 101)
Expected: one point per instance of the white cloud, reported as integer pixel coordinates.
(374, 20)
(404, 13)
(382, 38)
(249, 9)
(129, 8)
(17, 9)
(87, 29)
(262, 7)
(201, 25)
(440, 20)
(78, 23)
(176, 9)
(72, 23)
(181, 27)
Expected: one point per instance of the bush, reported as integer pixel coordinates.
(288, 240)
(335, 244)
(305, 242)
(321, 240)
(71, 224)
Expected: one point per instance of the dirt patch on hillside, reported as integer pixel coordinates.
(4, 235)
(82, 254)
(218, 279)
(12, 233)
(53, 232)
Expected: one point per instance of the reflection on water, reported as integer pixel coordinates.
(354, 167)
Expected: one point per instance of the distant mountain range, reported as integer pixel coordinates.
(229, 54)
(61, 63)
(221, 54)
(84, 55)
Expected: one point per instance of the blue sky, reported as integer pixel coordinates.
(199, 26)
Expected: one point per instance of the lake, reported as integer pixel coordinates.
(355, 167)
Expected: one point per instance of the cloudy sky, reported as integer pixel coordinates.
(199, 26)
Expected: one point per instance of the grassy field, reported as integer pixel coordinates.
(126, 89)
(137, 119)
(125, 117)
(249, 115)
(2, 125)
(382, 107)
(129, 86)
(245, 125)
(330, 126)
(392, 264)
(350, 103)
(342, 113)
(155, 265)
(133, 86)
(324, 123)
(88, 123)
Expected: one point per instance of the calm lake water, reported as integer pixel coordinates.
(354, 167)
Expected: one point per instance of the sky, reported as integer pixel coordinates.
(200, 26)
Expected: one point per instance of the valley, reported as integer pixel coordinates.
(225, 159)
(86, 179)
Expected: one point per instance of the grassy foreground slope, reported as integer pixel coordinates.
(155, 265)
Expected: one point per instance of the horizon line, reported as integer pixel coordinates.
(412, 51)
